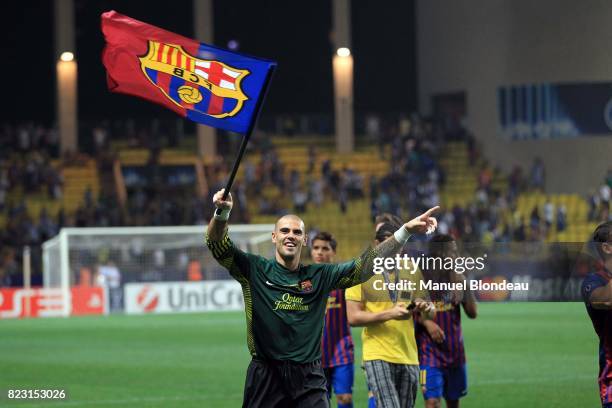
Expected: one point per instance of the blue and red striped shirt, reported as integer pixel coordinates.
(602, 323)
(337, 343)
(449, 353)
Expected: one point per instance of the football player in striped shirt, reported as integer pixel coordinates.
(337, 356)
(597, 295)
(440, 340)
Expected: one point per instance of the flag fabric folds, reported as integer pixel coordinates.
(203, 83)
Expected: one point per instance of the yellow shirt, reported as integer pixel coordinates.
(392, 341)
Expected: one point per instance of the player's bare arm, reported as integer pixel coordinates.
(358, 316)
(434, 331)
(424, 310)
(601, 298)
(470, 307)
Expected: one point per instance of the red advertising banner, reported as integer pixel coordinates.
(88, 301)
(20, 303)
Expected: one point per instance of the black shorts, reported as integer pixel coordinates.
(272, 384)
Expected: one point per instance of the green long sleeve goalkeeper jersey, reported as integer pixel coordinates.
(285, 309)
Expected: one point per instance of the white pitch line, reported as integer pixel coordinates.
(533, 380)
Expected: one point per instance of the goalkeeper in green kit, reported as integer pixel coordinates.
(285, 305)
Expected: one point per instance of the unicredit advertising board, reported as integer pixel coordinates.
(182, 297)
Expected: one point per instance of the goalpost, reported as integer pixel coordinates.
(141, 254)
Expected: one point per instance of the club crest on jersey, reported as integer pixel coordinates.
(306, 286)
(206, 86)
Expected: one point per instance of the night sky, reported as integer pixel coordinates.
(296, 34)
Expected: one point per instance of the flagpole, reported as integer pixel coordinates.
(247, 136)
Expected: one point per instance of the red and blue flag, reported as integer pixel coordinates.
(203, 83)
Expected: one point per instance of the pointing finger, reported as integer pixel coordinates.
(431, 210)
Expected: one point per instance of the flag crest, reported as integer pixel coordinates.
(209, 87)
(206, 84)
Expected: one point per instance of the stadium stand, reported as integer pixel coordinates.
(299, 174)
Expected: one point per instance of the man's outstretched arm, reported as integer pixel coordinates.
(363, 271)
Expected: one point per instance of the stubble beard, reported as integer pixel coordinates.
(288, 256)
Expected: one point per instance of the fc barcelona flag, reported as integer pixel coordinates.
(206, 84)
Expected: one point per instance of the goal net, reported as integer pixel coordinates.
(113, 257)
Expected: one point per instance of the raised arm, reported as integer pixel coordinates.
(218, 223)
(363, 269)
(237, 262)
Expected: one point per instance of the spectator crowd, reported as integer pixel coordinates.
(413, 147)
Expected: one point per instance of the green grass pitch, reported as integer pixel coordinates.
(519, 355)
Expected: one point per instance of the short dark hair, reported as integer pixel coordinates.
(326, 236)
(602, 235)
(386, 230)
(388, 218)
